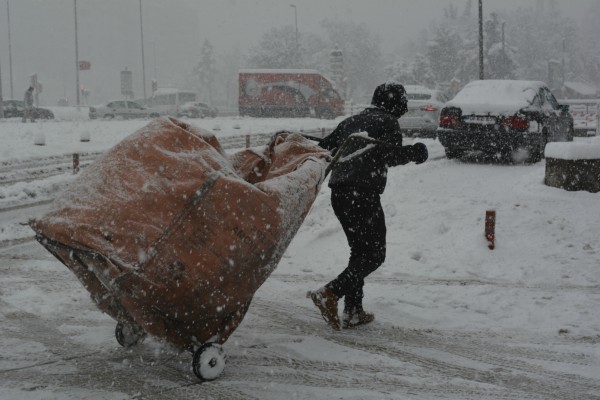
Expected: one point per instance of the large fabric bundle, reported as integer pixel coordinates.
(169, 233)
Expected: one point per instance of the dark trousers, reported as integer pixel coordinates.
(363, 221)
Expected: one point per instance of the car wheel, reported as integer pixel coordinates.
(453, 153)
(154, 115)
(108, 116)
(535, 154)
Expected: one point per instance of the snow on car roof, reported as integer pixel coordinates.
(495, 96)
(277, 71)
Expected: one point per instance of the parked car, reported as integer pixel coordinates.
(16, 109)
(121, 109)
(196, 109)
(424, 106)
(504, 119)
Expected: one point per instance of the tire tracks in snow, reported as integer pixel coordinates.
(473, 357)
(396, 281)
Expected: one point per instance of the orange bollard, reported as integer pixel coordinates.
(490, 228)
(75, 163)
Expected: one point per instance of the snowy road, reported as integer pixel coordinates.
(63, 347)
(54, 343)
(454, 320)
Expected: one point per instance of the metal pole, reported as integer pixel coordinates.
(10, 70)
(154, 52)
(143, 61)
(481, 75)
(503, 40)
(1, 101)
(564, 49)
(76, 57)
(296, 23)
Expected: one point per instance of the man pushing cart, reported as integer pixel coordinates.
(172, 236)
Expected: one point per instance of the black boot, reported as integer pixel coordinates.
(356, 317)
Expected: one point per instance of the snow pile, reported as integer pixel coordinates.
(582, 150)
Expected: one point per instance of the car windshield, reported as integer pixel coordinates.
(186, 97)
(131, 104)
(418, 96)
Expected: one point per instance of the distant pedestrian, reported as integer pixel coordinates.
(28, 99)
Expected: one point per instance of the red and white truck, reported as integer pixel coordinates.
(287, 93)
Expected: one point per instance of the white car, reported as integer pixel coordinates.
(121, 109)
(424, 106)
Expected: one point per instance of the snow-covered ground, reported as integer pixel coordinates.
(454, 319)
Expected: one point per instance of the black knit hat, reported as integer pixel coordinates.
(391, 97)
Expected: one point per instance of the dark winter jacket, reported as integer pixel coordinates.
(364, 165)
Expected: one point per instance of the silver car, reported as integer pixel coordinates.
(424, 106)
(196, 109)
(121, 109)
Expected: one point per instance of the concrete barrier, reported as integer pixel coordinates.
(573, 174)
(573, 166)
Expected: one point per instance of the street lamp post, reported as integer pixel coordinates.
(76, 57)
(143, 60)
(1, 101)
(296, 23)
(10, 70)
(481, 75)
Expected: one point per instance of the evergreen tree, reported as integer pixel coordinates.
(363, 60)
(205, 71)
(422, 73)
(276, 49)
(227, 75)
(468, 9)
(401, 71)
(492, 31)
(499, 56)
(443, 54)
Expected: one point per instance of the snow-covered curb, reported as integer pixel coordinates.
(574, 166)
(573, 150)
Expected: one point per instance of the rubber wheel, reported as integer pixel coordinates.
(128, 335)
(453, 153)
(535, 155)
(209, 361)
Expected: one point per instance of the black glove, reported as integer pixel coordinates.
(419, 153)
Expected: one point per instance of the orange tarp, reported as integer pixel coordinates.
(170, 233)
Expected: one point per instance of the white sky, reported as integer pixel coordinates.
(42, 34)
